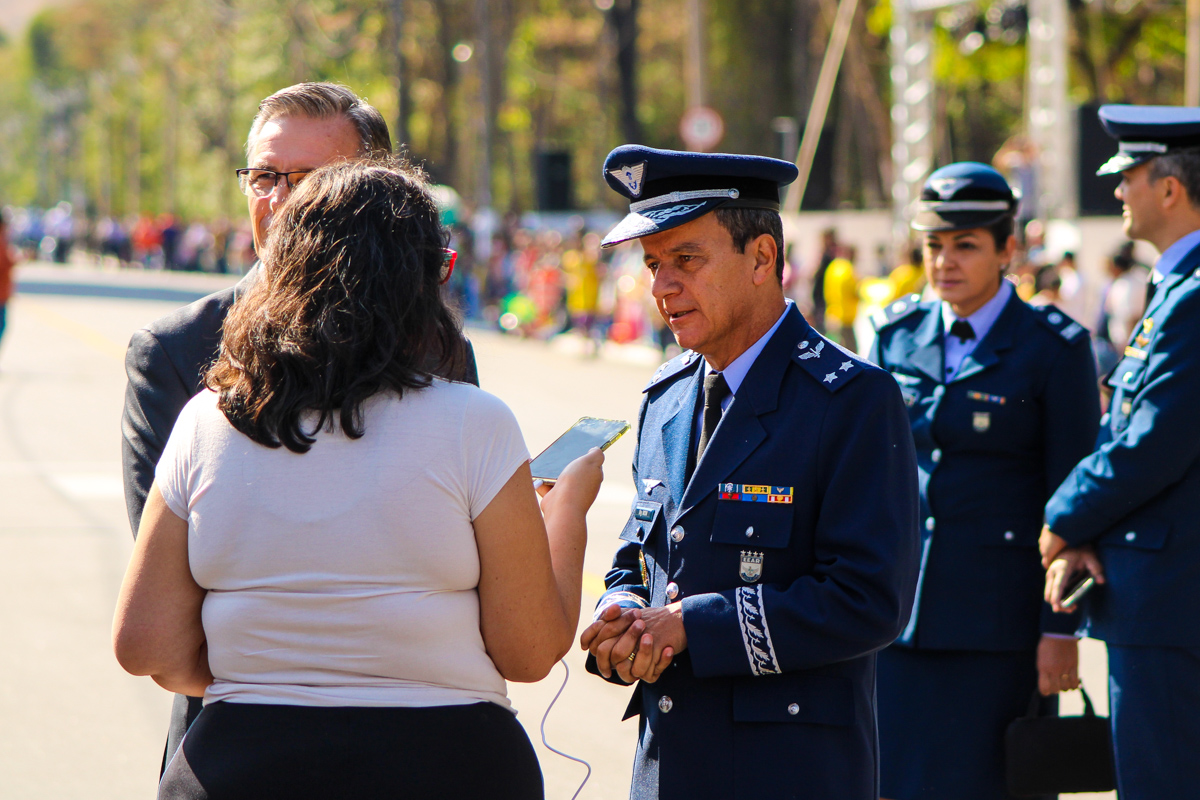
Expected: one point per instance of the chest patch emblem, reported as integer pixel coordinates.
(752, 566)
(981, 421)
(751, 493)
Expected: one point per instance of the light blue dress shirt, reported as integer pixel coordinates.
(1172, 257)
(955, 349)
(737, 370)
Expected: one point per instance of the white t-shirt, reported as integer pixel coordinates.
(346, 576)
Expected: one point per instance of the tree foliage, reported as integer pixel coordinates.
(124, 106)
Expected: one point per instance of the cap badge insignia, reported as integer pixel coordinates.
(946, 187)
(814, 353)
(981, 421)
(664, 214)
(630, 177)
(752, 566)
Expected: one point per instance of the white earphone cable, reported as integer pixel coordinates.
(545, 716)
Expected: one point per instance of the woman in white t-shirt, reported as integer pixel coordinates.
(342, 553)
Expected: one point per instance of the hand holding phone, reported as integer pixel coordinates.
(1080, 584)
(581, 437)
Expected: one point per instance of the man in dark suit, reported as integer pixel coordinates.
(772, 548)
(295, 131)
(1130, 512)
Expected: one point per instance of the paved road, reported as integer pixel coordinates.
(73, 724)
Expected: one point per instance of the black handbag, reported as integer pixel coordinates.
(1059, 755)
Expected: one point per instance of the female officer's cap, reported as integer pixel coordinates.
(964, 195)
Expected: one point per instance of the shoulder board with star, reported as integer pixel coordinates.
(826, 362)
(895, 311)
(1054, 319)
(672, 368)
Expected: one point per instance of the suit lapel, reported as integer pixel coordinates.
(995, 341)
(740, 432)
(926, 354)
(677, 432)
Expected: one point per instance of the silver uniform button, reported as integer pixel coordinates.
(1129, 537)
(936, 455)
(750, 532)
(794, 709)
(1009, 536)
(665, 704)
(677, 534)
(672, 590)
(1054, 318)
(929, 524)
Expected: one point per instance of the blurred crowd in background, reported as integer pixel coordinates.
(542, 278)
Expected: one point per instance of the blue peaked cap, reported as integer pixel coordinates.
(964, 195)
(667, 188)
(1145, 132)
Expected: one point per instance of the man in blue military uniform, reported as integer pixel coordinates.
(1130, 512)
(772, 546)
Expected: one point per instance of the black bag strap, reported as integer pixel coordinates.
(1035, 704)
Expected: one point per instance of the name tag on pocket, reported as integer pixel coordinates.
(754, 493)
(643, 512)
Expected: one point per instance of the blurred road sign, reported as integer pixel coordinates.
(701, 128)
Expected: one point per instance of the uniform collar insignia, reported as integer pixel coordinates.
(630, 177)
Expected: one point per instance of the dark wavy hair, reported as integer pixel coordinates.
(348, 305)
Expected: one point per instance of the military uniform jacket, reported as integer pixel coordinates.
(1137, 497)
(992, 445)
(793, 550)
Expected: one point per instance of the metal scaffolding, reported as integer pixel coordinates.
(912, 110)
(1049, 119)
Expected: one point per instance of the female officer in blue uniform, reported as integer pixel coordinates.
(1003, 402)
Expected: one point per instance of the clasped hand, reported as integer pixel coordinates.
(652, 635)
(1062, 563)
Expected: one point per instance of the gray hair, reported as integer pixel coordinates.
(1183, 166)
(325, 101)
(746, 224)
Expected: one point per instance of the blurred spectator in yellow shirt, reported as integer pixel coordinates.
(908, 278)
(841, 299)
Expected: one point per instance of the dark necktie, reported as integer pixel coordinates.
(963, 330)
(715, 392)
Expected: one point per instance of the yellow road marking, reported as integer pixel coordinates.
(88, 336)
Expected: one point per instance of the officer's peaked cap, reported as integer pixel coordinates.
(667, 188)
(964, 195)
(1145, 132)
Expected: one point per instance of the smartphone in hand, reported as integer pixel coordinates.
(1080, 584)
(581, 437)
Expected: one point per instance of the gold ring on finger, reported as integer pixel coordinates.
(631, 656)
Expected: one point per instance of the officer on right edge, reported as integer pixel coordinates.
(1130, 512)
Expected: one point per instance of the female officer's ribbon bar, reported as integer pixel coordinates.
(753, 493)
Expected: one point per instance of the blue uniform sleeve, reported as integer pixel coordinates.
(625, 584)
(1071, 420)
(1154, 450)
(858, 597)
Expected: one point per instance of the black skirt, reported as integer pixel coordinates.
(259, 752)
(942, 717)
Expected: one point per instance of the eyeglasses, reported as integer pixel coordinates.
(448, 263)
(261, 182)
